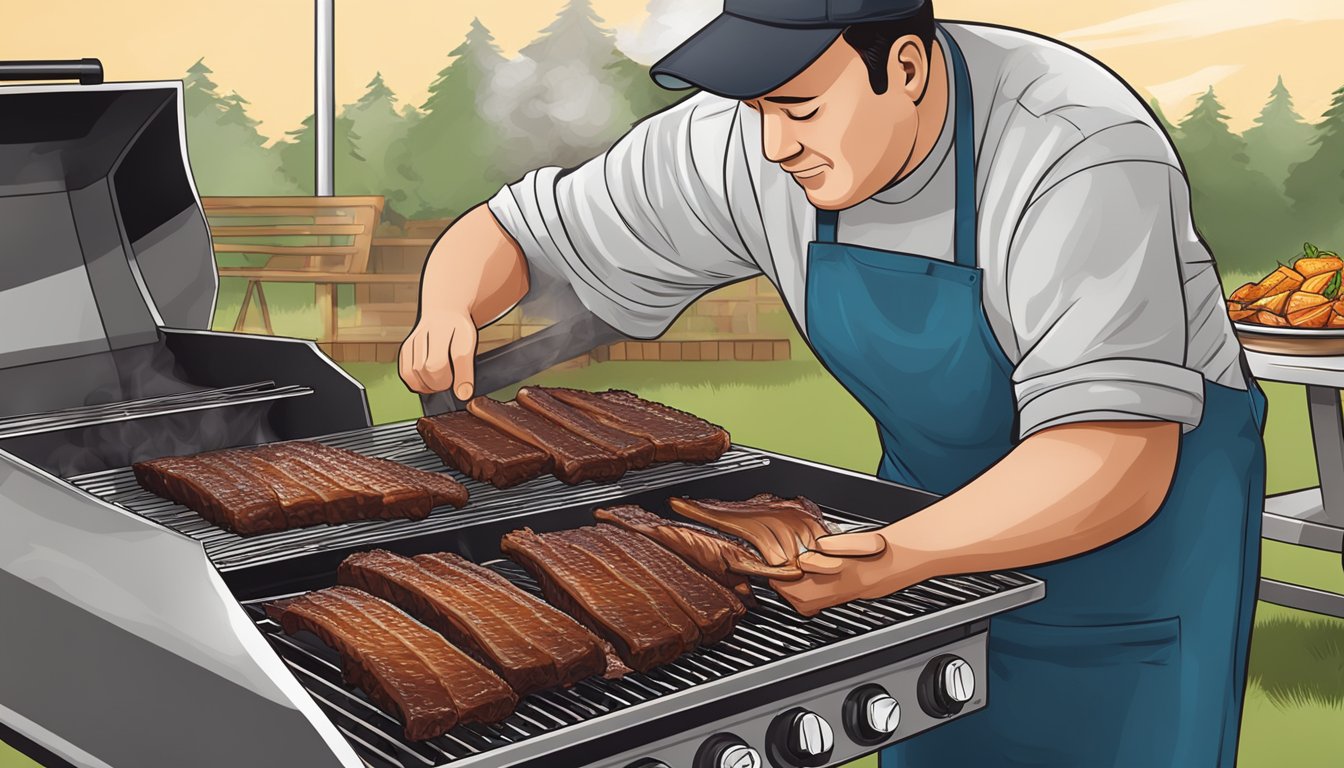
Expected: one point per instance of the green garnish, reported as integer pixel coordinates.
(1332, 290)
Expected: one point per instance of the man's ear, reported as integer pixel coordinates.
(908, 67)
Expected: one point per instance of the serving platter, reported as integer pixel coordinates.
(1276, 340)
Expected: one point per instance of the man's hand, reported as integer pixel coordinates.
(440, 354)
(848, 566)
(475, 273)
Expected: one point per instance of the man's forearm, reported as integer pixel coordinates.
(477, 266)
(1061, 492)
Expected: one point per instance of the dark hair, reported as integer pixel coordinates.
(873, 41)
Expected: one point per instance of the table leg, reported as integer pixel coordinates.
(241, 322)
(1327, 433)
(1302, 598)
(325, 296)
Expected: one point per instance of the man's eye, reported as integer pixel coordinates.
(807, 116)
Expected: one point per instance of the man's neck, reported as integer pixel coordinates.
(930, 113)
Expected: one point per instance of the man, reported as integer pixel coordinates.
(987, 239)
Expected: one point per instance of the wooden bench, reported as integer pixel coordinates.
(305, 254)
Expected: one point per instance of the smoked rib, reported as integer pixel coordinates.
(295, 484)
(478, 616)
(574, 459)
(676, 435)
(556, 629)
(474, 448)
(714, 608)
(404, 667)
(584, 587)
(637, 452)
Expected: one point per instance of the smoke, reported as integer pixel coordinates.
(669, 23)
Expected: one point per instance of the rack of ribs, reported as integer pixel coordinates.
(532, 646)
(646, 627)
(405, 668)
(289, 485)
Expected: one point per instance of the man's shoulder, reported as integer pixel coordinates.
(1058, 95)
(1048, 78)
(698, 108)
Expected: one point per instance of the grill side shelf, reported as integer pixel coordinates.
(771, 643)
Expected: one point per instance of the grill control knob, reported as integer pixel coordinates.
(871, 715)
(739, 756)
(882, 714)
(959, 681)
(724, 750)
(801, 738)
(946, 685)
(812, 735)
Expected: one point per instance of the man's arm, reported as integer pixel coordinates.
(639, 232)
(1102, 389)
(474, 274)
(1062, 492)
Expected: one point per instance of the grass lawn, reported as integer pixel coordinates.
(1295, 701)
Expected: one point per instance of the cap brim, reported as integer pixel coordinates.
(741, 59)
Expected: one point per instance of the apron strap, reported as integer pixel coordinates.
(965, 246)
(828, 222)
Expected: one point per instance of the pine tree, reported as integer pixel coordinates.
(1238, 210)
(450, 154)
(375, 121)
(1316, 186)
(235, 113)
(198, 91)
(226, 151)
(1280, 138)
(1162, 120)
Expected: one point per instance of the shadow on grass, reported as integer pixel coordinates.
(1299, 661)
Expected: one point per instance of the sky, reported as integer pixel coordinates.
(1171, 49)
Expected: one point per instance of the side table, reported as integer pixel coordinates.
(1313, 517)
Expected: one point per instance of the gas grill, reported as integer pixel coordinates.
(135, 633)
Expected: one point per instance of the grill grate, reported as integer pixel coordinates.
(773, 632)
(398, 442)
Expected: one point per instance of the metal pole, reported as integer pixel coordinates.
(324, 114)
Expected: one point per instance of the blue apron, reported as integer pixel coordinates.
(1137, 656)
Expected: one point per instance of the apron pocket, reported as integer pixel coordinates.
(1139, 642)
(1087, 695)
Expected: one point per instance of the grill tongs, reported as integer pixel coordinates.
(528, 356)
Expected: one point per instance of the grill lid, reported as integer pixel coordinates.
(103, 236)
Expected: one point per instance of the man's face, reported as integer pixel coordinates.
(841, 142)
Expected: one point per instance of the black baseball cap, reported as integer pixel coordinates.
(755, 46)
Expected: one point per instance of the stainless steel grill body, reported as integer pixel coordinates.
(774, 657)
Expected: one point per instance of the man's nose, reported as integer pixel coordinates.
(777, 141)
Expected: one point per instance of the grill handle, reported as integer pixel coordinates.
(528, 356)
(86, 71)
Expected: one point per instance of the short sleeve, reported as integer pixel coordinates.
(1096, 301)
(643, 229)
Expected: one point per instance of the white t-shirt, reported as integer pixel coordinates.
(1096, 284)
